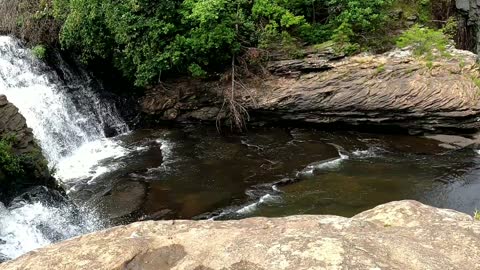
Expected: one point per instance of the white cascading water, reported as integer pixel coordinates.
(68, 120)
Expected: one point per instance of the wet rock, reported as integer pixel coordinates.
(388, 90)
(298, 66)
(124, 199)
(3, 258)
(468, 21)
(110, 132)
(455, 141)
(286, 181)
(34, 165)
(398, 235)
(40, 194)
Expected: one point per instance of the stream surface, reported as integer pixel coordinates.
(195, 172)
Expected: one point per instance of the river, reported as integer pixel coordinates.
(197, 172)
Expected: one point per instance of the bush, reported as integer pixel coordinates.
(424, 41)
(10, 163)
(30, 20)
(39, 51)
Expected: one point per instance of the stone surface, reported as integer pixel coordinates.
(399, 235)
(393, 89)
(13, 126)
(468, 35)
(12, 123)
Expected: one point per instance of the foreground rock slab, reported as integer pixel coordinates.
(389, 90)
(398, 235)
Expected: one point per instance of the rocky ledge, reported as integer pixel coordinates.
(32, 163)
(392, 89)
(397, 235)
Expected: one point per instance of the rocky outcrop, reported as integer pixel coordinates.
(468, 35)
(398, 235)
(393, 89)
(33, 166)
(12, 123)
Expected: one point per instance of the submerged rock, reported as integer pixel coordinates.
(398, 235)
(388, 90)
(39, 194)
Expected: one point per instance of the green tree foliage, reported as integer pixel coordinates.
(424, 41)
(10, 164)
(146, 39)
(39, 51)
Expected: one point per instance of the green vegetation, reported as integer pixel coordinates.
(476, 81)
(39, 51)
(476, 215)
(424, 41)
(381, 68)
(10, 163)
(149, 40)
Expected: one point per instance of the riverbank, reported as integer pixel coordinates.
(391, 91)
(398, 235)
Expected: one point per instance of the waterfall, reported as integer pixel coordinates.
(63, 117)
(70, 122)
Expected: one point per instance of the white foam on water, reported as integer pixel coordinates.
(33, 226)
(69, 121)
(369, 153)
(334, 163)
(268, 198)
(167, 155)
(329, 164)
(86, 161)
(167, 149)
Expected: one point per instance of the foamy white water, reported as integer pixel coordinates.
(267, 198)
(35, 225)
(69, 121)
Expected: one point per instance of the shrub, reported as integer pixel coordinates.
(10, 163)
(39, 51)
(476, 215)
(424, 41)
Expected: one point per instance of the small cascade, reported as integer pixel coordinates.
(71, 122)
(63, 113)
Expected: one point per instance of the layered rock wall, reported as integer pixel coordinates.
(469, 22)
(393, 89)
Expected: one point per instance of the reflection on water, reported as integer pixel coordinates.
(196, 173)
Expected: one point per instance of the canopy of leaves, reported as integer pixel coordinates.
(146, 39)
(10, 164)
(424, 41)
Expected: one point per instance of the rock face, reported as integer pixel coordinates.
(32, 162)
(392, 89)
(14, 124)
(469, 22)
(398, 235)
